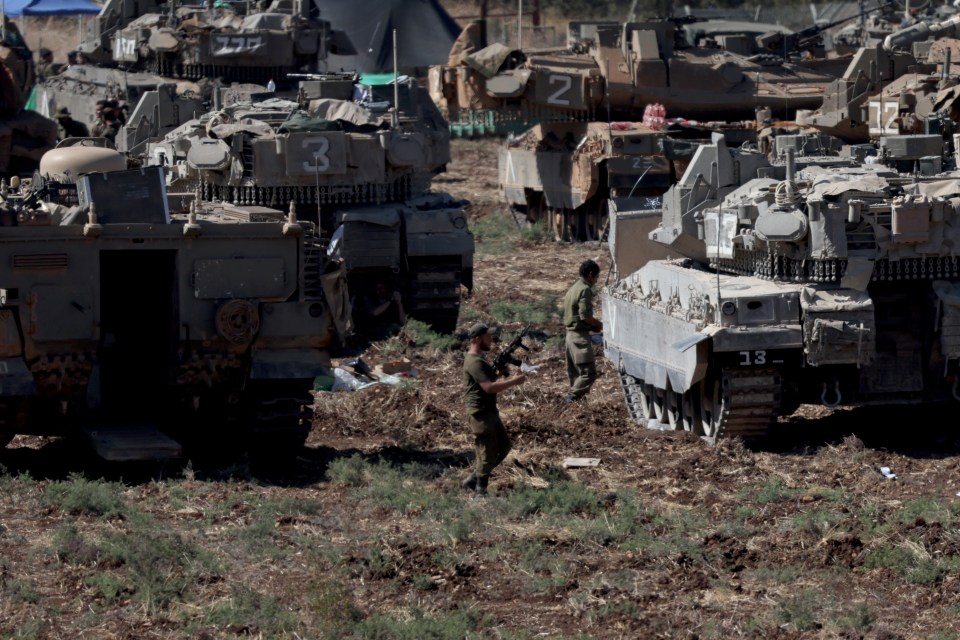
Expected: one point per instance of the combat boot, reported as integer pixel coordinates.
(482, 486)
(470, 482)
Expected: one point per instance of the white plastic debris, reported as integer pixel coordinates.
(529, 368)
(343, 380)
(886, 473)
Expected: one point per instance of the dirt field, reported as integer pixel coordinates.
(370, 536)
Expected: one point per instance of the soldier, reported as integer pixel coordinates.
(45, 69)
(98, 125)
(67, 127)
(491, 444)
(579, 321)
(111, 124)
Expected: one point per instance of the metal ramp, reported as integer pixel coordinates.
(132, 442)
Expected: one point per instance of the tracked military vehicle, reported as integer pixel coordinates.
(24, 135)
(499, 90)
(346, 159)
(568, 174)
(168, 60)
(230, 41)
(799, 282)
(119, 307)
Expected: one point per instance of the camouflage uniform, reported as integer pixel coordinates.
(44, 70)
(491, 444)
(581, 361)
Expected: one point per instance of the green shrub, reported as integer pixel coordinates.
(909, 561)
(560, 498)
(800, 610)
(17, 590)
(160, 565)
(421, 335)
(79, 496)
(71, 547)
(254, 612)
(542, 311)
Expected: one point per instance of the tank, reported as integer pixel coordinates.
(118, 308)
(816, 280)
(24, 135)
(893, 86)
(614, 76)
(167, 61)
(344, 158)
(231, 41)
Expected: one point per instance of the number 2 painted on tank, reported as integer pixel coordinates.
(749, 358)
(321, 161)
(565, 83)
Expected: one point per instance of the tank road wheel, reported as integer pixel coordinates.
(660, 404)
(690, 411)
(560, 224)
(536, 209)
(672, 409)
(646, 400)
(596, 219)
(713, 408)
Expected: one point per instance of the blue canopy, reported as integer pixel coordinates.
(17, 8)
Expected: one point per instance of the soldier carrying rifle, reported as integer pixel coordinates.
(491, 443)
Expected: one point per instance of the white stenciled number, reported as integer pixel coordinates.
(640, 162)
(321, 161)
(128, 47)
(748, 358)
(236, 44)
(565, 83)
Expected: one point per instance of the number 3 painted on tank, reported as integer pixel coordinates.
(321, 161)
(565, 83)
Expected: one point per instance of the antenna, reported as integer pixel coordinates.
(520, 24)
(396, 84)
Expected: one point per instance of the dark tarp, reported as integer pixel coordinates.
(425, 33)
(18, 8)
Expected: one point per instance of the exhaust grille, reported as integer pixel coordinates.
(40, 261)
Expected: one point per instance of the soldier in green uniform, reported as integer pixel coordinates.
(67, 127)
(579, 321)
(45, 68)
(491, 444)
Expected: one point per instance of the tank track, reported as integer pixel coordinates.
(749, 403)
(434, 294)
(741, 403)
(632, 396)
(280, 415)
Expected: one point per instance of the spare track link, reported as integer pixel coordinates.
(751, 402)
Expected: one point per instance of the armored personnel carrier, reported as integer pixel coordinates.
(498, 90)
(24, 135)
(569, 174)
(117, 306)
(361, 169)
(801, 282)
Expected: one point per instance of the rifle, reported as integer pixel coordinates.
(506, 357)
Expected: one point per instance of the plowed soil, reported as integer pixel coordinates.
(799, 536)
